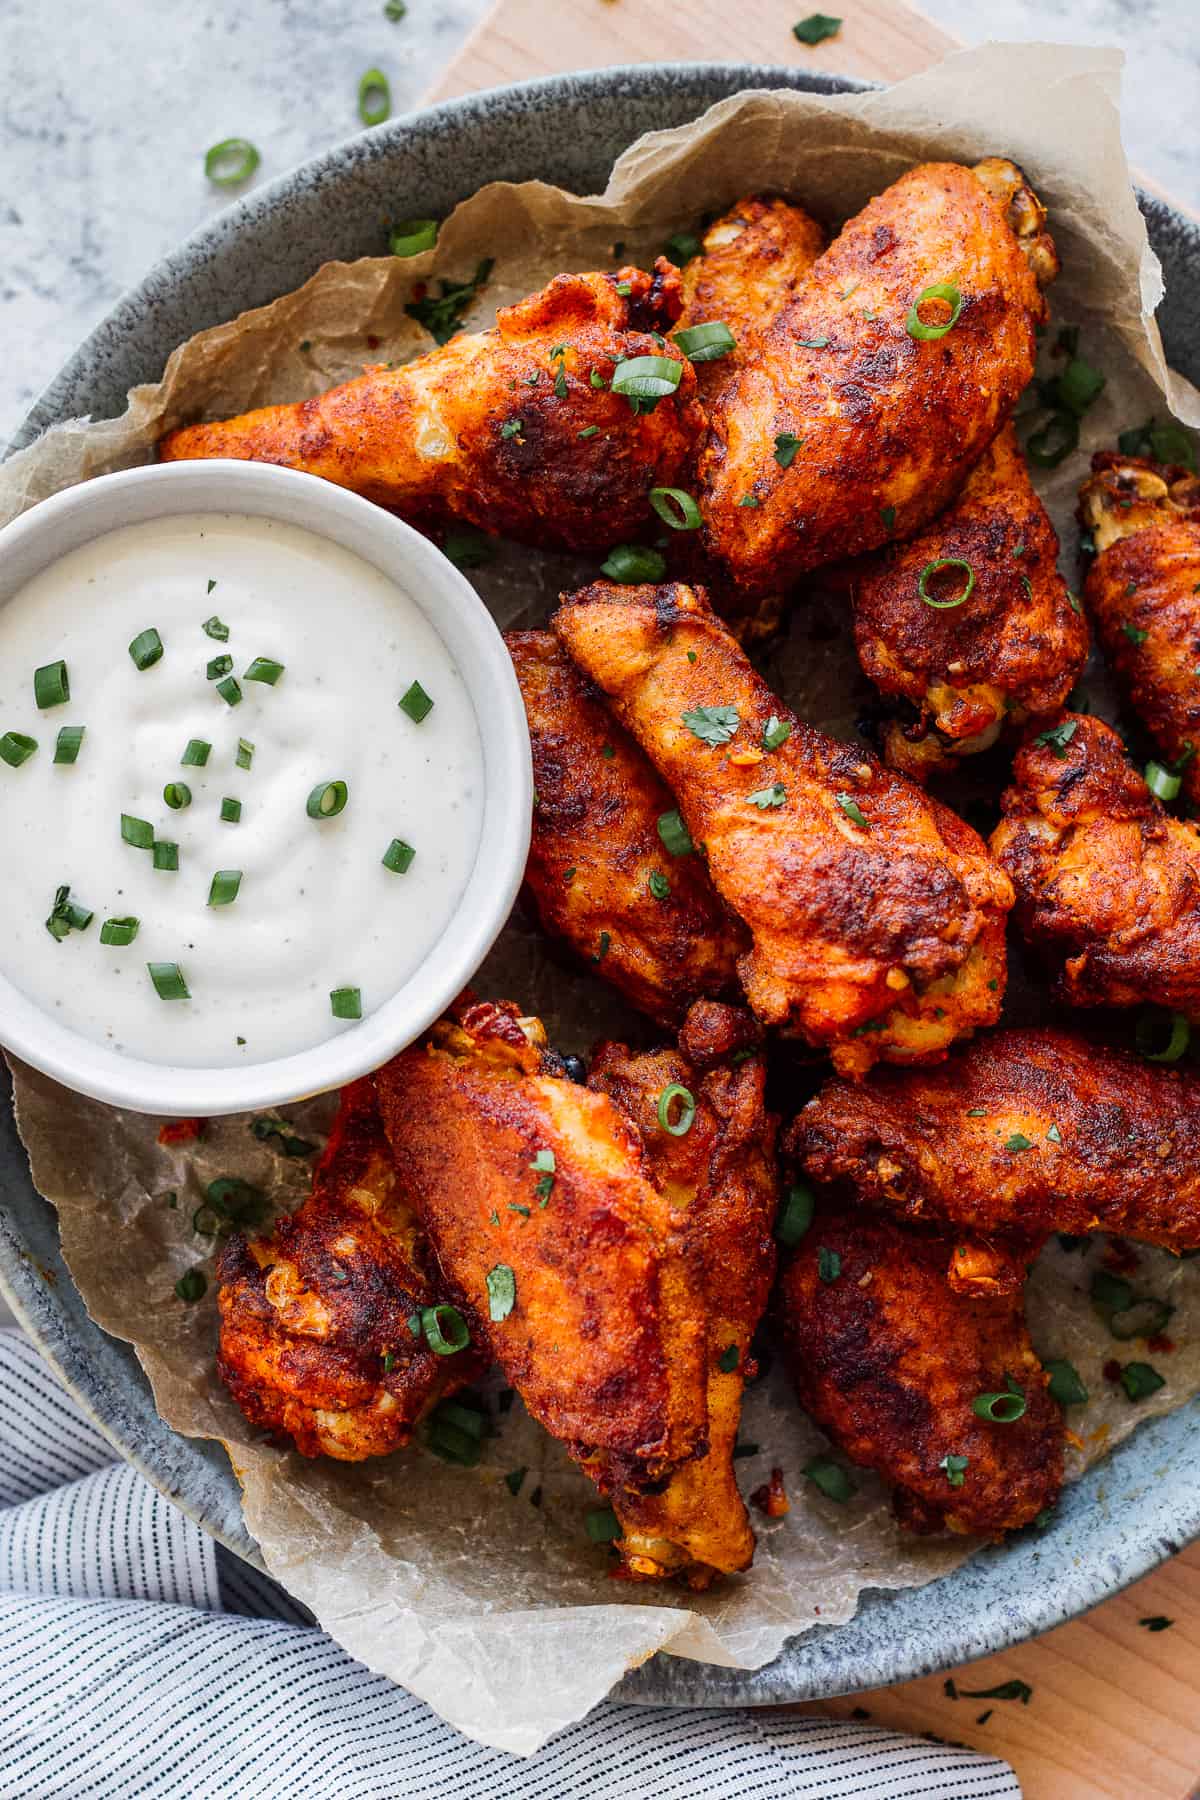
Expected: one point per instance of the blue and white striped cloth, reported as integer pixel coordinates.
(139, 1661)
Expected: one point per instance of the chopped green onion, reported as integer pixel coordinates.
(589, 431)
(214, 627)
(629, 564)
(166, 855)
(1143, 1319)
(66, 746)
(1110, 1292)
(1139, 1380)
(514, 1481)
(713, 725)
(681, 246)
(192, 1285)
(445, 1329)
(223, 888)
(1148, 1032)
(1018, 1141)
(1079, 386)
(346, 1003)
(955, 1468)
(67, 915)
(168, 981)
(453, 1445)
(398, 857)
(51, 686)
(411, 236)
(603, 1525)
(218, 666)
(729, 1359)
(829, 1265)
(146, 649)
(231, 162)
(676, 839)
(658, 884)
(772, 796)
(1052, 442)
(1163, 783)
(675, 508)
(1134, 633)
(196, 753)
(852, 810)
(327, 800)
(415, 702)
(119, 931)
(945, 562)
(512, 428)
(231, 811)
(264, 668)
(245, 753)
(945, 291)
(775, 732)
(647, 377)
(887, 517)
(501, 1292)
(815, 29)
(705, 343)
(177, 794)
(374, 97)
(229, 691)
(467, 549)
(830, 1478)
(138, 832)
(786, 446)
(1000, 1409)
(795, 1215)
(16, 748)
(1064, 1385)
(682, 1122)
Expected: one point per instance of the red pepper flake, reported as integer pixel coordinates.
(1111, 1370)
(1160, 1344)
(771, 1499)
(180, 1131)
(373, 342)
(1121, 1257)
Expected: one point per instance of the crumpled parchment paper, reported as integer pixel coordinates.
(495, 1609)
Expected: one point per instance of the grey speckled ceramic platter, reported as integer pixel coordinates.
(1131, 1512)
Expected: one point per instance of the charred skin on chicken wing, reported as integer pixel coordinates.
(718, 1176)
(1143, 589)
(752, 260)
(315, 1342)
(1107, 881)
(491, 427)
(1009, 651)
(557, 1246)
(888, 1360)
(599, 873)
(1026, 1132)
(876, 915)
(845, 429)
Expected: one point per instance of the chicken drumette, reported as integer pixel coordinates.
(610, 866)
(874, 393)
(515, 429)
(1107, 881)
(877, 916)
(888, 1359)
(315, 1337)
(1025, 1132)
(970, 620)
(1143, 590)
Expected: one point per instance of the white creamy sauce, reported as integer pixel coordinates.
(316, 909)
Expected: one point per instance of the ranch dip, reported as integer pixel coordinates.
(256, 768)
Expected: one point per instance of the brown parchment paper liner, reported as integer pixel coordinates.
(494, 1610)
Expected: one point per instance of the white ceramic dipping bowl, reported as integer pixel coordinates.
(82, 514)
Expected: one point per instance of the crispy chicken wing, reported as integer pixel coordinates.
(315, 1342)
(845, 429)
(1144, 593)
(600, 874)
(1107, 882)
(492, 426)
(1022, 1131)
(877, 916)
(752, 260)
(719, 1179)
(888, 1359)
(560, 1250)
(1011, 651)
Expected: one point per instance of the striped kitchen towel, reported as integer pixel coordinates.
(139, 1661)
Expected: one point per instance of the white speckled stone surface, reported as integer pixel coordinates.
(108, 109)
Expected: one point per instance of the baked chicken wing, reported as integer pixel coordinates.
(1107, 881)
(718, 1176)
(970, 620)
(559, 1249)
(877, 916)
(888, 1360)
(1143, 590)
(315, 1341)
(1026, 1132)
(752, 260)
(494, 426)
(860, 417)
(601, 874)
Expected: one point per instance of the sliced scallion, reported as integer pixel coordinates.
(231, 811)
(674, 834)
(216, 628)
(146, 649)
(177, 795)
(602, 1525)
(229, 691)
(681, 1123)
(647, 377)
(374, 97)
(1139, 1379)
(16, 748)
(1163, 783)
(346, 1003)
(630, 564)
(445, 1329)
(830, 1478)
(327, 800)
(398, 857)
(51, 686)
(264, 668)
(795, 1215)
(67, 743)
(932, 568)
(166, 855)
(245, 753)
(119, 931)
(1148, 1033)
(1000, 1409)
(223, 888)
(415, 703)
(196, 753)
(411, 236)
(168, 981)
(676, 508)
(218, 666)
(705, 343)
(949, 295)
(138, 832)
(231, 162)
(501, 1292)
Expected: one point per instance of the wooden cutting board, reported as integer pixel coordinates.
(1115, 1709)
